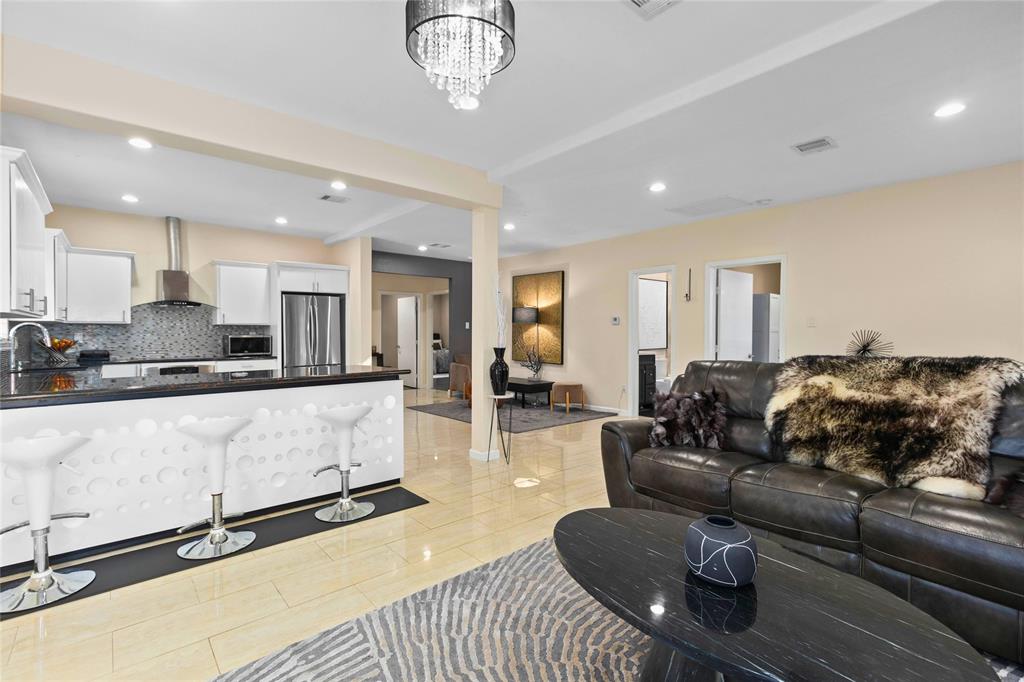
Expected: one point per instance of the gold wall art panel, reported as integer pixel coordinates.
(543, 291)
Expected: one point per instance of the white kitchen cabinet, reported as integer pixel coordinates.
(246, 365)
(243, 293)
(60, 246)
(23, 238)
(312, 278)
(296, 279)
(121, 370)
(331, 281)
(99, 286)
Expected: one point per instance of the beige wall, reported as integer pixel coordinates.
(937, 265)
(203, 243)
(767, 277)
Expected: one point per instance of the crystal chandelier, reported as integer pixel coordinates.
(460, 43)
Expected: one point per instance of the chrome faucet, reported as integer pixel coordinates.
(13, 339)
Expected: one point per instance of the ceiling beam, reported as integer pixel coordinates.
(822, 38)
(361, 228)
(72, 90)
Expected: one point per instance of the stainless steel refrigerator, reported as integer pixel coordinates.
(313, 334)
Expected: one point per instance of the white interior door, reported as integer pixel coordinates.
(735, 315)
(407, 338)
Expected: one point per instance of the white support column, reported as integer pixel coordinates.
(484, 327)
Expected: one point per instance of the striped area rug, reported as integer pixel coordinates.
(518, 618)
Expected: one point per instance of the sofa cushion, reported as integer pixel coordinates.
(694, 478)
(806, 503)
(974, 547)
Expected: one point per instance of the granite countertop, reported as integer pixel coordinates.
(36, 389)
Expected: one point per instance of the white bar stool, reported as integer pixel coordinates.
(343, 419)
(215, 433)
(35, 459)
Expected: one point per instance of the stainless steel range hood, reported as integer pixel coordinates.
(172, 283)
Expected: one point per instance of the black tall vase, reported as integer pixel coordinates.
(499, 372)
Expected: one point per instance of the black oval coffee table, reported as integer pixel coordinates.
(801, 620)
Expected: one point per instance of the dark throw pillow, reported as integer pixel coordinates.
(696, 420)
(1008, 491)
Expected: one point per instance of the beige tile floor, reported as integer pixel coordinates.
(212, 618)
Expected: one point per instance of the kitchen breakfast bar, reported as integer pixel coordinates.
(139, 473)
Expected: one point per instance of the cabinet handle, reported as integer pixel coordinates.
(222, 318)
(65, 313)
(46, 304)
(124, 316)
(31, 293)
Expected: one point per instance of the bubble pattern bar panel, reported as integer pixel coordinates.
(139, 475)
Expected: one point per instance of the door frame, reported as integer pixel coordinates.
(420, 321)
(632, 386)
(711, 270)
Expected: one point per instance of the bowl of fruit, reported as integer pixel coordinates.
(55, 352)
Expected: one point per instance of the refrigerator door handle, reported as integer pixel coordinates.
(316, 330)
(309, 330)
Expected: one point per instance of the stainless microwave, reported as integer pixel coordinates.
(251, 344)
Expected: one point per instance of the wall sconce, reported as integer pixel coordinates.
(525, 315)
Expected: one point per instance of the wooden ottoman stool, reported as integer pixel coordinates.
(570, 393)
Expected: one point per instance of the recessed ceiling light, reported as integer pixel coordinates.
(140, 143)
(281, 220)
(510, 226)
(338, 185)
(130, 198)
(657, 187)
(657, 609)
(421, 247)
(467, 103)
(949, 109)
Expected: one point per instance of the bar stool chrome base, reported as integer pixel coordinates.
(345, 510)
(44, 588)
(219, 541)
(216, 543)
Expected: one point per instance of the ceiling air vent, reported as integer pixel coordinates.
(648, 9)
(815, 146)
(439, 246)
(334, 199)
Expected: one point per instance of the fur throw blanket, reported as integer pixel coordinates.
(920, 422)
(696, 420)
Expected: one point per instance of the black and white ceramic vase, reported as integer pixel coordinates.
(499, 372)
(721, 551)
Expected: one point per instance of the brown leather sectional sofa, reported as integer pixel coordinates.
(960, 560)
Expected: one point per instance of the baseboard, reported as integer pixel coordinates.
(482, 456)
(601, 408)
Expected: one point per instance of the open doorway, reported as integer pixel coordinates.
(744, 309)
(652, 303)
(411, 327)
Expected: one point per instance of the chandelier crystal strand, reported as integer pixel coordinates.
(460, 50)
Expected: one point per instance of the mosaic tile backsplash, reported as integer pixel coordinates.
(156, 332)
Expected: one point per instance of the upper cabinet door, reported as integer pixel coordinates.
(60, 277)
(243, 294)
(297, 279)
(332, 281)
(28, 248)
(99, 286)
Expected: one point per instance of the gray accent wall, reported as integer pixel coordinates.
(460, 289)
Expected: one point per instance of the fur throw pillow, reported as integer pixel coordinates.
(920, 422)
(696, 420)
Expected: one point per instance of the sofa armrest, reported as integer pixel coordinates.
(619, 440)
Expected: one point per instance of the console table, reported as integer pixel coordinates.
(521, 387)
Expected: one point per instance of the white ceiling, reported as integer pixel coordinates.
(706, 97)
